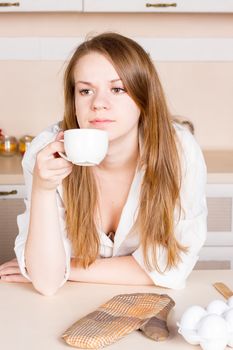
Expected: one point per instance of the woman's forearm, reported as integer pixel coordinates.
(44, 251)
(115, 270)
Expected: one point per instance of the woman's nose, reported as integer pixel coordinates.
(100, 101)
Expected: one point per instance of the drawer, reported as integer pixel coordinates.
(220, 215)
(9, 209)
(11, 205)
(12, 191)
(215, 258)
(150, 6)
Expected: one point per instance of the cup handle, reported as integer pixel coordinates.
(62, 154)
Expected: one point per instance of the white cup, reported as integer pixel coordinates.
(85, 147)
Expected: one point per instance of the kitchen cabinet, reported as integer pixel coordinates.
(41, 5)
(12, 194)
(218, 249)
(217, 252)
(11, 205)
(158, 6)
(143, 6)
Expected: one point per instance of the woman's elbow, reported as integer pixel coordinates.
(47, 284)
(47, 287)
(45, 290)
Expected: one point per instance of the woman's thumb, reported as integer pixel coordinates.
(60, 135)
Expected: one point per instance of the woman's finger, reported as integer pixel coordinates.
(55, 175)
(49, 150)
(12, 262)
(58, 163)
(10, 270)
(60, 135)
(14, 278)
(57, 179)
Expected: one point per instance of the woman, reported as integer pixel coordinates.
(137, 218)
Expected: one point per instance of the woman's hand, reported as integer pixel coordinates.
(10, 272)
(49, 171)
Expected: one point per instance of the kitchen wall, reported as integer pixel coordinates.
(31, 91)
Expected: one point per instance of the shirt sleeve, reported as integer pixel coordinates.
(191, 227)
(23, 219)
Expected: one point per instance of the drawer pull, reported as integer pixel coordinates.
(8, 4)
(8, 193)
(174, 4)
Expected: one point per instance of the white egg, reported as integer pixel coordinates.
(213, 344)
(230, 301)
(191, 317)
(190, 335)
(228, 316)
(212, 327)
(217, 307)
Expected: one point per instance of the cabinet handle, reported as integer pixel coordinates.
(174, 4)
(7, 4)
(8, 193)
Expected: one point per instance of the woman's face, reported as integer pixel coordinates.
(101, 101)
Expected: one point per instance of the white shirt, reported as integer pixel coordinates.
(190, 228)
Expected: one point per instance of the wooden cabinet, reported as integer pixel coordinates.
(12, 194)
(217, 252)
(218, 249)
(143, 6)
(41, 5)
(11, 205)
(158, 6)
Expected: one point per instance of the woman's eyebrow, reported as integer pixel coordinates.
(115, 80)
(83, 82)
(89, 83)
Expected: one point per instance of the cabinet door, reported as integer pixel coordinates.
(12, 191)
(217, 252)
(215, 258)
(158, 6)
(11, 205)
(9, 210)
(220, 215)
(41, 5)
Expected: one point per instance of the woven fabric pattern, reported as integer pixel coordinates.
(156, 327)
(118, 317)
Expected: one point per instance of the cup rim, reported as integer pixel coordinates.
(88, 130)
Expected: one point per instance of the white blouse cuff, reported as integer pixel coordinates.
(23, 269)
(173, 278)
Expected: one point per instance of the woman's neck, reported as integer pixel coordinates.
(122, 154)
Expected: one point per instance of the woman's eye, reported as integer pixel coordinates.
(118, 90)
(85, 92)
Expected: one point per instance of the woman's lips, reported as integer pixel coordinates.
(101, 122)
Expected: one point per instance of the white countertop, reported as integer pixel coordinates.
(219, 166)
(30, 321)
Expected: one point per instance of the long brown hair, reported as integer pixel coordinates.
(161, 182)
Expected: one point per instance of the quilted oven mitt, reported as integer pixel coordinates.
(120, 316)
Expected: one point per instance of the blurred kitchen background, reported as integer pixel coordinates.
(194, 58)
(191, 43)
